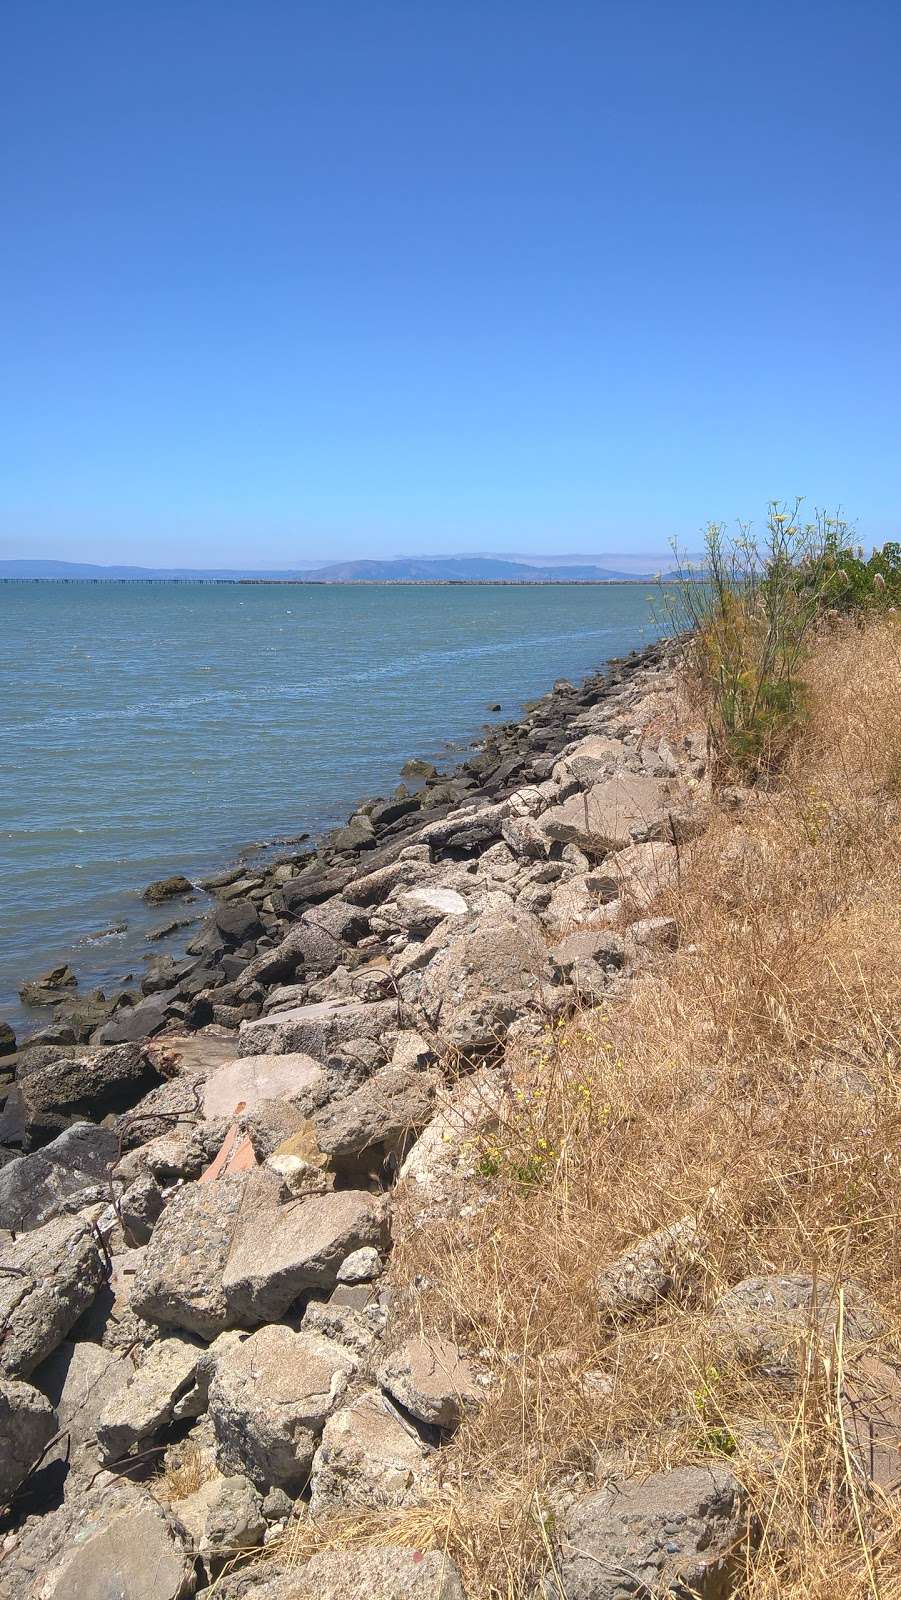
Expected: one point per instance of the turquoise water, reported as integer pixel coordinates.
(151, 728)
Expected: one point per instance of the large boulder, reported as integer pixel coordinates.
(638, 874)
(223, 1516)
(490, 974)
(169, 1385)
(27, 1424)
(95, 1083)
(47, 1279)
(269, 1399)
(432, 1380)
(676, 1532)
(241, 1086)
(230, 1253)
(369, 1457)
(317, 1029)
(112, 1542)
(68, 1173)
(611, 815)
(380, 1119)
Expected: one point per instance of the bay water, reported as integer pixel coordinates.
(152, 728)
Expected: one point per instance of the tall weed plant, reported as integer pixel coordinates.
(750, 607)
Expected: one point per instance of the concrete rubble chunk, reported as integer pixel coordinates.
(179, 1282)
(432, 1380)
(269, 1398)
(27, 1424)
(771, 1322)
(490, 974)
(642, 872)
(47, 1279)
(661, 1266)
(677, 1532)
(389, 1573)
(655, 933)
(223, 1517)
(611, 814)
(383, 1116)
(69, 1172)
(113, 1542)
(316, 1029)
(169, 1385)
(79, 1379)
(369, 1456)
(871, 1408)
(243, 1085)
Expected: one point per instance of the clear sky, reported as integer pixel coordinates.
(283, 280)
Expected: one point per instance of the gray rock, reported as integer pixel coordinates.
(490, 974)
(358, 1327)
(69, 1172)
(79, 1380)
(27, 1424)
(361, 1266)
(140, 1206)
(281, 1251)
(223, 1517)
(677, 1532)
(47, 1279)
(96, 1083)
(640, 873)
(112, 1543)
(382, 1118)
(662, 1266)
(769, 1323)
(48, 988)
(318, 1029)
(599, 946)
(432, 1380)
(369, 1456)
(269, 1398)
(610, 815)
(241, 1086)
(374, 1574)
(655, 933)
(133, 1023)
(169, 1385)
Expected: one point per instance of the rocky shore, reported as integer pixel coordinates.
(201, 1183)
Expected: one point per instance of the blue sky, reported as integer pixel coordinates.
(370, 277)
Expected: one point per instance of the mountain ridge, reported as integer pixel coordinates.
(455, 569)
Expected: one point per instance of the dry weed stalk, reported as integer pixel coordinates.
(753, 1082)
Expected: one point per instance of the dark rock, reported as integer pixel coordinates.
(168, 888)
(388, 811)
(416, 768)
(96, 1083)
(134, 1022)
(169, 927)
(68, 1172)
(237, 922)
(7, 1039)
(48, 988)
(358, 835)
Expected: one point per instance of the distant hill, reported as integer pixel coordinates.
(456, 569)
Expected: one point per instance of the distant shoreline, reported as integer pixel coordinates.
(371, 583)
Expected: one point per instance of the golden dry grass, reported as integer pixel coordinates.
(753, 1079)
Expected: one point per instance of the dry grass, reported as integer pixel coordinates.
(753, 1079)
(186, 1470)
